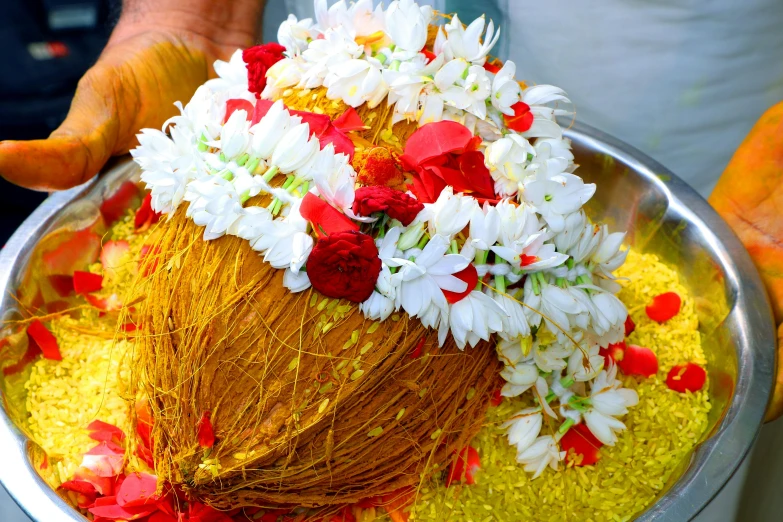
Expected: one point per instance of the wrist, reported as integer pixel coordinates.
(216, 27)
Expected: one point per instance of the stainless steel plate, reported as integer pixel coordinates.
(663, 216)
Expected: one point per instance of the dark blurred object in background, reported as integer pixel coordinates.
(47, 45)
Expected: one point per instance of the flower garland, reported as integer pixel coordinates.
(490, 238)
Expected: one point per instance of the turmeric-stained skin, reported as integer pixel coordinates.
(749, 196)
(159, 52)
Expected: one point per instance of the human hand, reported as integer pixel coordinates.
(158, 53)
(749, 196)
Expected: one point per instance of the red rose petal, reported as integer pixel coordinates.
(235, 104)
(496, 399)
(62, 284)
(342, 143)
(87, 282)
(74, 253)
(99, 425)
(526, 260)
(145, 216)
(492, 68)
(33, 351)
(522, 119)
(349, 121)
(638, 360)
(686, 377)
(45, 340)
(579, 440)
(614, 352)
(664, 307)
(103, 485)
(206, 435)
(476, 174)
(344, 265)
(470, 276)
(112, 254)
(107, 507)
(464, 467)
(435, 139)
(137, 489)
(79, 486)
(325, 218)
(260, 110)
(630, 326)
(126, 197)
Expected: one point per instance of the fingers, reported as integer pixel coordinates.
(775, 408)
(77, 150)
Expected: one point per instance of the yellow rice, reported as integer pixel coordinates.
(64, 397)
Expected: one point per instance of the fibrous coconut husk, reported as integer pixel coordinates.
(311, 403)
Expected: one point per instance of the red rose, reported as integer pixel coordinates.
(445, 154)
(344, 265)
(259, 59)
(395, 203)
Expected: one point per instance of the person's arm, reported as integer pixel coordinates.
(159, 52)
(749, 196)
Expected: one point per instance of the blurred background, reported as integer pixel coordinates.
(48, 45)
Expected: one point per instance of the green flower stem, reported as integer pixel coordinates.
(223, 157)
(454, 247)
(500, 283)
(227, 175)
(534, 282)
(269, 174)
(293, 185)
(252, 164)
(481, 256)
(570, 263)
(567, 381)
(394, 65)
(244, 197)
(423, 242)
(565, 426)
(243, 159)
(561, 282)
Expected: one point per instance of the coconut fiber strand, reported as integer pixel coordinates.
(311, 404)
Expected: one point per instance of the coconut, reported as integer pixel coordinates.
(311, 404)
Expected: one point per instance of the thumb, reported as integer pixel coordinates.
(74, 152)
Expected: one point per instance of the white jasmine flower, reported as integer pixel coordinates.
(519, 378)
(269, 131)
(484, 228)
(381, 302)
(544, 124)
(250, 223)
(450, 213)
(464, 86)
(532, 254)
(295, 34)
(554, 199)
(406, 24)
(424, 278)
(295, 148)
(232, 75)
(322, 55)
(475, 318)
(542, 453)
(334, 178)
(407, 86)
(282, 75)
(572, 230)
(505, 89)
(235, 135)
(517, 222)
(608, 399)
(356, 82)
(506, 159)
(467, 43)
(359, 19)
(608, 256)
(585, 362)
(285, 242)
(523, 428)
(557, 307)
(515, 323)
(296, 280)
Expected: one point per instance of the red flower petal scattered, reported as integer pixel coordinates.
(138, 489)
(45, 340)
(107, 304)
(686, 377)
(416, 352)
(395, 203)
(238, 104)
(630, 326)
(522, 119)
(496, 399)
(74, 253)
(206, 435)
(117, 205)
(579, 440)
(492, 68)
(259, 59)
(470, 276)
(145, 216)
(435, 139)
(464, 467)
(105, 432)
(344, 265)
(62, 284)
(87, 282)
(112, 254)
(33, 351)
(325, 218)
(664, 307)
(429, 54)
(349, 121)
(614, 352)
(637, 360)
